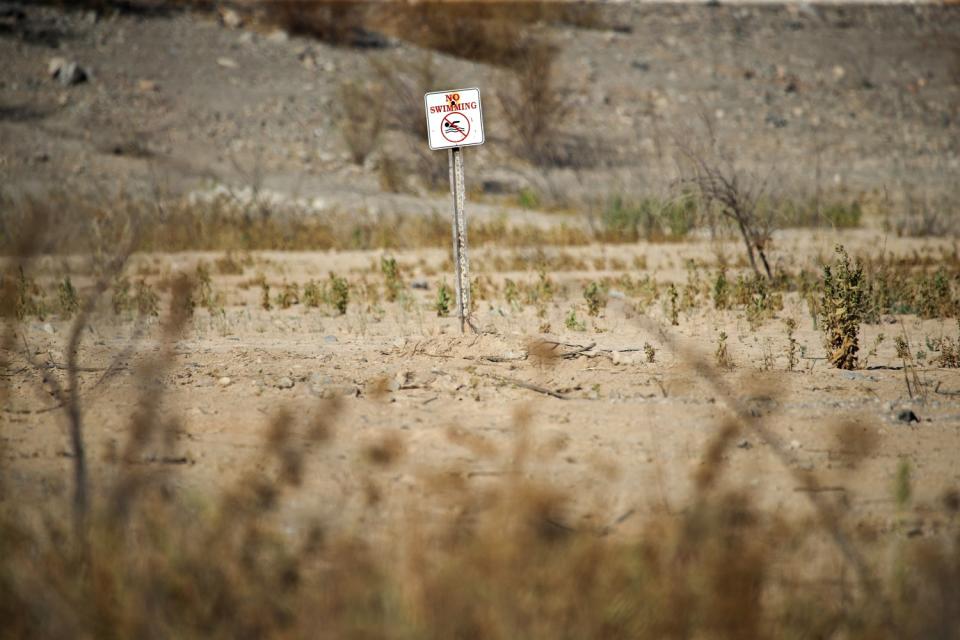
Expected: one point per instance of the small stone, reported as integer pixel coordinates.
(744, 444)
(68, 72)
(907, 416)
(329, 339)
(420, 284)
(224, 381)
(228, 63)
(278, 35)
(402, 380)
(231, 18)
(335, 391)
(148, 86)
(285, 383)
(48, 328)
(794, 445)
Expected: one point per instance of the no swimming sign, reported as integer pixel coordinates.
(454, 118)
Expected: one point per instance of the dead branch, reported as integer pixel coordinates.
(720, 184)
(525, 385)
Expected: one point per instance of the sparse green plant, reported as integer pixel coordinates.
(791, 327)
(528, 198)
(673, 308)
(843, 216)
(650, 219)
(204, 287)
(312, 294)
(721, 291)
(762, 303)
(911, 377)
(572, 322)
(228, 264)
(541, 293)
(872, 353)
(596, 298)
(442, 304)
(766, 356)
(69, 300)
(841, 309)
(120, 298)
(288, 295)
(511, 294)
(649, 352)
(949, 356)
(934, 298)
(339, 293)
(903, 486)
(722, 355)
(146, 299)
(29, 297)
(265, 303)
(392, 277)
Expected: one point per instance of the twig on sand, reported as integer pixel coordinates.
(526, 385)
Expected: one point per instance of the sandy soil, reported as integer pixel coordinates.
(625, 437)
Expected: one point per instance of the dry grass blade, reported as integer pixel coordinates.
(755, 425)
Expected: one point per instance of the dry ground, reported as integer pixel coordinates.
(625, 439)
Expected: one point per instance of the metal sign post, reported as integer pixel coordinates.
(454, 121)
(460, 259)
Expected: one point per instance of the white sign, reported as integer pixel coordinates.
(454, 118)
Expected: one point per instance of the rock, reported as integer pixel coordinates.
(278, 36)
(794, 445)
(616, 294)
(231, 18)
(420, 284)
(68, 72)
(318, 379)
(147, 86)
(336, 391)
(403, 380)
(285, 383)
(330, 339)
(224, 381)
(228, 63)
(907, 416)
(308, 59)
(48, 328)
(744, 444)
(503, 182)
(620, 357)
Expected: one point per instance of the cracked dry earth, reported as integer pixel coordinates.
(587, 414)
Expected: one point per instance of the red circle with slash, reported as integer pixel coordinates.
(452, 130)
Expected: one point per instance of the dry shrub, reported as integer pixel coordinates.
(337, 23)
(404, 80)
(534, 104)
(841, 310)
(361, 118)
